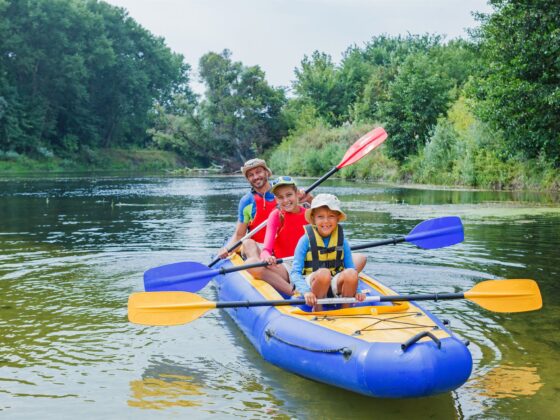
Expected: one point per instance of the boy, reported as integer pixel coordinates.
(323, 263)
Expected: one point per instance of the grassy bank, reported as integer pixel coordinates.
(460, 153)
(93, 160)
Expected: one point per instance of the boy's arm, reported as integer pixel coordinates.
(297, 267)
(348, 261)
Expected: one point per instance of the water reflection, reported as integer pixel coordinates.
(164, 391)
(507, 381)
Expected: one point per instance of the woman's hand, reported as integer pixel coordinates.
(304, 198)
(271, 260)
(310, 299)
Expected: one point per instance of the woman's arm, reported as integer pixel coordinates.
(272, 225)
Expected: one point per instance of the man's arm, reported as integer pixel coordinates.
(240, 232)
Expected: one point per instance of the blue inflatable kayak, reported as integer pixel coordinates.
(392, 350)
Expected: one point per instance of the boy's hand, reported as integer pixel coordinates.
(310, 299)
(360, 297)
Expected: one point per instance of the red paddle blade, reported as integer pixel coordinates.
(363, 146)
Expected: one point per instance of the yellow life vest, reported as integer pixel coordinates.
(318, 256)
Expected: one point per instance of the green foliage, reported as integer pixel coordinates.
(317, 84)
(77, 73)
(518, 87)
(181, 130)
(419, 94)
(464, 151)
(92, 160)
(241, 113)
(315, 151)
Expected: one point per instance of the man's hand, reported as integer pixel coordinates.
(223, 253)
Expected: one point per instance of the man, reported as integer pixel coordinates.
(254, 207)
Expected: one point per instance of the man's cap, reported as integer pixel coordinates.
(254, 163)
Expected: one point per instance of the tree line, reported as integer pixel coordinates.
(81, 73)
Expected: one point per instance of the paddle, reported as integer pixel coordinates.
(358, 150)
(193, 276)
(172, 277)
(174, 308)
(430, 234)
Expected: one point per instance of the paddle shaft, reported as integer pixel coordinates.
(392, 241)
(174, 308)
(289, 302)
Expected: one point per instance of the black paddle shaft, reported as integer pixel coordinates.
(320, 180)
(307, 191)
(392, 241)
(431, 296)
(224, 270)
(288, 302)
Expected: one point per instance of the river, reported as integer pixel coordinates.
(72, 248)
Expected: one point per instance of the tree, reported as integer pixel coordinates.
(241, 112)
(518, 88)
(318, 84)
(419, 94)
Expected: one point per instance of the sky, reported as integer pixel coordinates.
(277, 34)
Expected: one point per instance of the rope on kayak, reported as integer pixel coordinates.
(345, 351)
(394, 320)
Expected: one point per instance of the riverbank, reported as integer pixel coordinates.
(138, 160)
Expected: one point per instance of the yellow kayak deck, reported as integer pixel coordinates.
(382, 323)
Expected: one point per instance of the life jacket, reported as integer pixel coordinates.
(319, 256)
(287, 236)
(262, 209)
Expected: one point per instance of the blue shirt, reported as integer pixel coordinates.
(247, 206)
(299, 260)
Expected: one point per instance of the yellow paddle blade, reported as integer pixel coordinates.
(166, 308)
(519, 295)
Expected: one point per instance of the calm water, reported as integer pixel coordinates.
(72, 250)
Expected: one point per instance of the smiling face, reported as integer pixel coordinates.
(325, 219)
(258, 178)
(286, 197)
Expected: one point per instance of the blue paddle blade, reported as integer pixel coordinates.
(437, 233)
(186, 276)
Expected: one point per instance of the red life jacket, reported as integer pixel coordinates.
(291, 229)
(263, 209)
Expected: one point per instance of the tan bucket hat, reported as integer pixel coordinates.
(325, 200)
(254, 163)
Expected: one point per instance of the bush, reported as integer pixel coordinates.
(314, 151)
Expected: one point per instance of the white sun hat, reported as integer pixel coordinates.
(325, 200)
